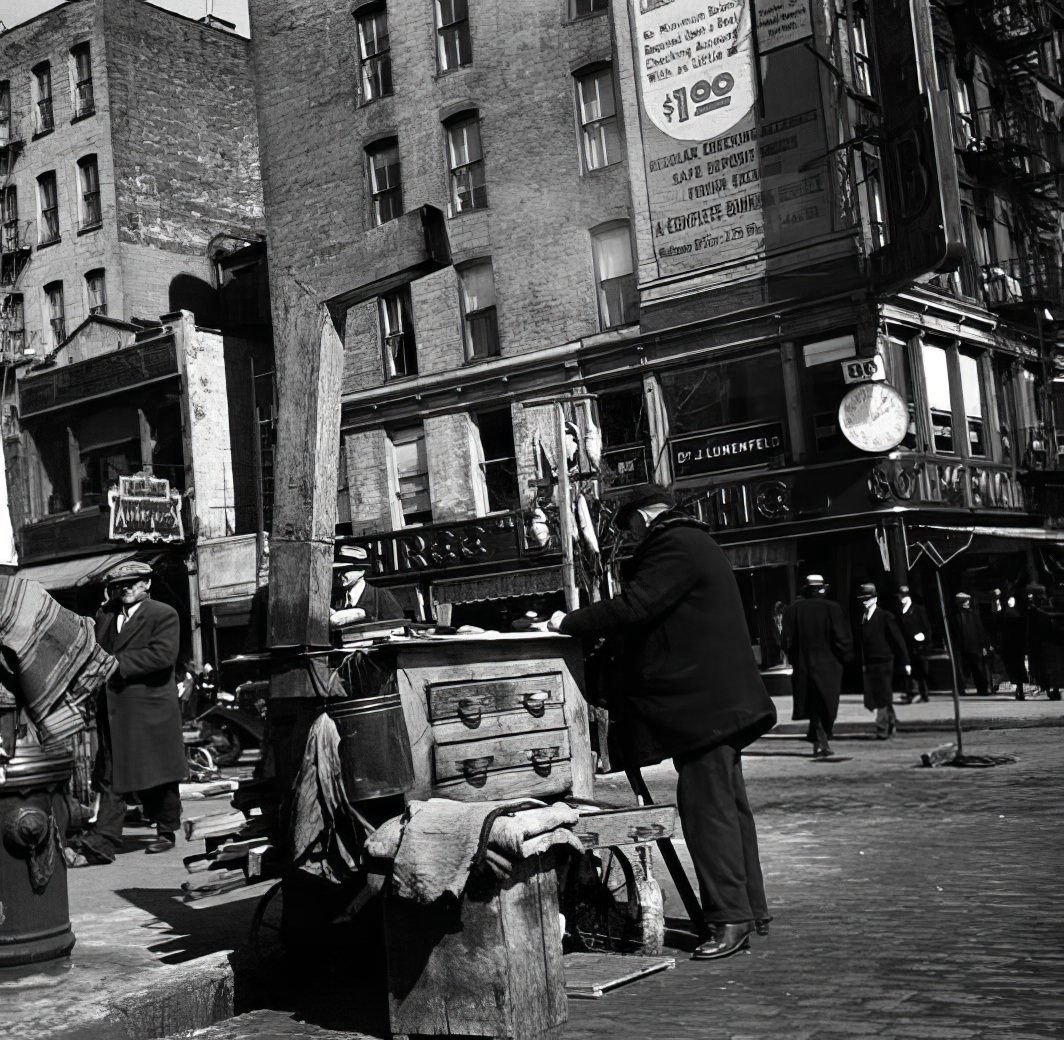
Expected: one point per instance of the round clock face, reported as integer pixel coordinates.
(874, 417)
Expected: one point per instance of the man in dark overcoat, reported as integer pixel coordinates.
(972, 646)
(882, 646)
(817, 639)
(1014, 647)
(693, 694)
(1045, 645)
(139, 718)
(916, 627)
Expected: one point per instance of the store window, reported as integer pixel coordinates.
(596, 104)
(48, 206)
(454, 47)
(44, 120)
(385, 184)
(55, 312)
(89, 211)
(477, 284)
(618, 302)
(625, 431)
(108, 444)
(81, 69)
(498, 461)
(725, 392)
(465, 158)
(412, 476)
(96, 291)
(939, 399)
(972, 392)
(374, 52)
(397, 334)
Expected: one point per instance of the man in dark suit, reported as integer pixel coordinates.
(354, 598)
(139, 718)
(916, 628)
(882, 644)
(817, 639)
(692, 693)
(972, 646)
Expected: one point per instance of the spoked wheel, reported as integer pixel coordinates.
(602, 904)
(201, 764)
(265, 933)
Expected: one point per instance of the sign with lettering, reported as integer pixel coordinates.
(863, 370)
(144, 508)
(782, 22)
(718, 451)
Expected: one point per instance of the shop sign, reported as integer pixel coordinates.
(863, 370)
(732, 506)
(782, 22)
(719, 451)
(144, 508)
(946, 484)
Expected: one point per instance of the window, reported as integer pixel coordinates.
(5, 112)
(51, 476)
(597, 109)
(625, 438)
(453, 45)
(412, 476)
(385, 185)
(9, 218)
(374, 53)
(972, 392)
(108, 446)
(1003, 380)
(55, 311)
(614, 276)
(12, 323)
(823, 387)
(466, 159)
(81, 62)
(860, 52)
(582, 8)
(477, 284)
(900, 374)
(89, 181)
(42, 95)
(939, 400)
(964, 104)
(877, 214)
(498, 460)
(96, 291)
(48, 203)
(397, 334)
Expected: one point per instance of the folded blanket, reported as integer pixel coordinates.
(510, 832)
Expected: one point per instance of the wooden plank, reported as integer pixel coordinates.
(499, 726)
(199, 827)
(261, 860)
(628, 826)
(213, 883)
(235, 894)
(469, 700)
(539, 750)
(589, 976)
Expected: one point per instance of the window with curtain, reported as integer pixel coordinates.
(397, 334)
(42, 96)
(600, 133)
(55, 308)
(374, 52)
(477, 285)
(412, 475)
(385, 184)
(466, 160)
(454, 47)
(972, 392)
(81, 62)
(48, 201)
(89, 179)
(96, 291)
(611, 249)
(498, 460)
(939, 400)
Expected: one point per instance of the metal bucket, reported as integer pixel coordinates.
(375, 754)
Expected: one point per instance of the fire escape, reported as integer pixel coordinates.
(14, 252)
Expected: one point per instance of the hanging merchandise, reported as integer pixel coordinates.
(538, 527)
(586, 525)
(592, 438)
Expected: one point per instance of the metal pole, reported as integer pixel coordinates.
(952, 664)
(565, 526)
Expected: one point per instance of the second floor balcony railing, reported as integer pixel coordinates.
(1023, 281)
(1013, 23)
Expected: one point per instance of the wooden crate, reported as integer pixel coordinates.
(496, 972)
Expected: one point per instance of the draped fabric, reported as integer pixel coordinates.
(50, 659)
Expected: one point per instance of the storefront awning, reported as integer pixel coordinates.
(498, 586)
(1019, 534)
(73, 574)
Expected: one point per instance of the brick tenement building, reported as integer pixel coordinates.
(758, 238)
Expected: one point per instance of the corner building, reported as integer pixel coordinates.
(704, 224)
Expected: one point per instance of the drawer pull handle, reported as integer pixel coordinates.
(535, 702)
(475, 770)
(542, 759)
(470, 713)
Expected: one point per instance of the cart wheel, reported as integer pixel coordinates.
(267, 918)
(201, 764)
(603, 904)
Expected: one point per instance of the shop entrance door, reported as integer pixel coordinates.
(766, 592)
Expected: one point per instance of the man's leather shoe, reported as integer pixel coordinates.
(163, 843)
(725, 940)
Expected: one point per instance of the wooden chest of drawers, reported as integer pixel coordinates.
(496, 718)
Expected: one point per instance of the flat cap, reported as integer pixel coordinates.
(867, 591)
(128, 570)
(641, 496)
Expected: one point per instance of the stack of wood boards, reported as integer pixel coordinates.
(237, 844)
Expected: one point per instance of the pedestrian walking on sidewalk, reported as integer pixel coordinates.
(139, 718)
(972, 647)
(817, 639)
(1014, 646)
(916, 628)
(693, 694)
(1045, 646)
(882, 644)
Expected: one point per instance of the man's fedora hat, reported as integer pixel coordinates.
(1038, 590)
(640, 497)
(962, 597)
(867, 591)
(128, 571)
(815, 581)
(903, 590)
(351, 557)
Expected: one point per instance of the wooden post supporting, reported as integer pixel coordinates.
(565, 516)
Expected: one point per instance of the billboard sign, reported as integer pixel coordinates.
(144, 508)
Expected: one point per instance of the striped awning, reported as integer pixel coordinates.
(499, 586)
(73, 574)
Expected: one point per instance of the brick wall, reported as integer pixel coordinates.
(366, 466)
(453, 478)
